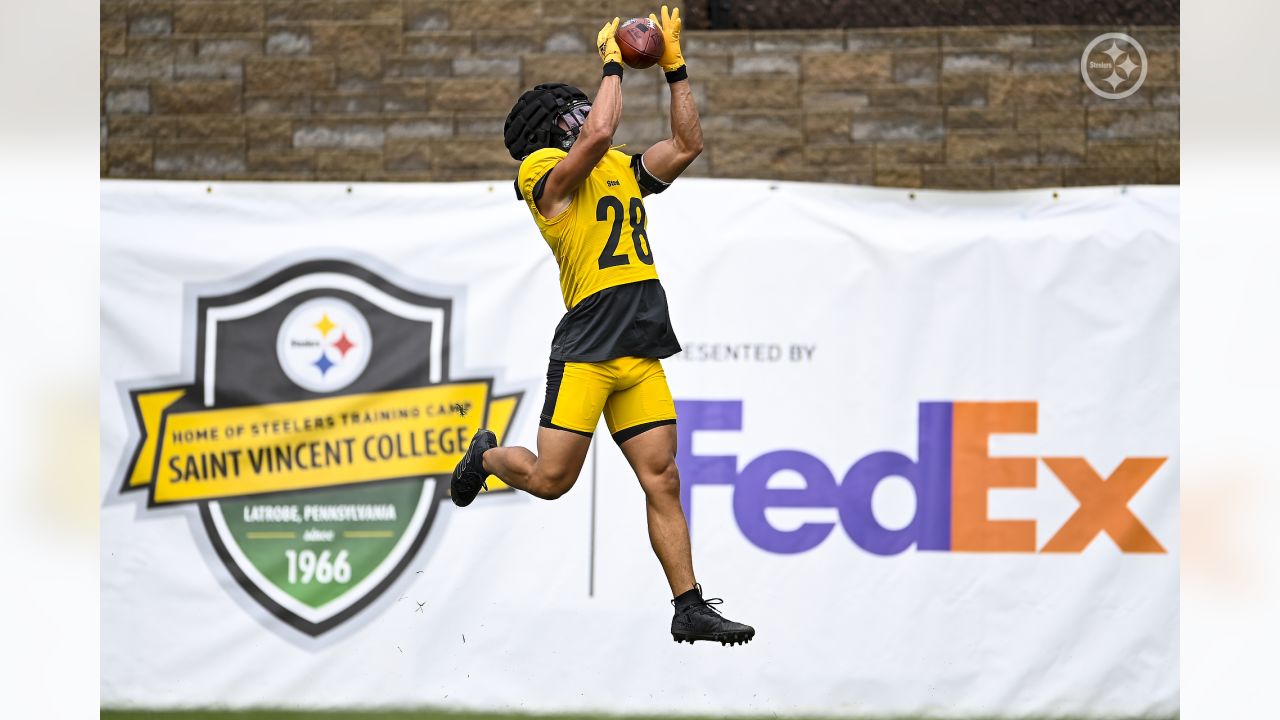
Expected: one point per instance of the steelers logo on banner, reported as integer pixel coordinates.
(315, 435)
(324, 344)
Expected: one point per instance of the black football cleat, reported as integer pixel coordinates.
(470, 476)
(700, 621)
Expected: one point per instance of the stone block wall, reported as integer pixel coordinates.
(417, 90)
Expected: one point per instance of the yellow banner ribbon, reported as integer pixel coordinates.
(206, 454)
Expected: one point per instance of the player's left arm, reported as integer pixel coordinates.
(665, 161)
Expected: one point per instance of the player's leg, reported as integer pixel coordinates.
(576, 393)
(547, 475)
(641, 417)
(652, 454)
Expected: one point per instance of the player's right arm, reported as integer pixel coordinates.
(597, 133)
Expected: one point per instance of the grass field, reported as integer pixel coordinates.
(441, 715)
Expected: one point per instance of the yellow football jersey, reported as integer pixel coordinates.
(599, 241)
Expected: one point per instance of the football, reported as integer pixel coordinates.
(640, 42)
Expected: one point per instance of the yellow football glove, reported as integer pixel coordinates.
(607, 42)
(670, 27)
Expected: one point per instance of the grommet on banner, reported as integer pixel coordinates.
(348, 189)
(1055, 194)
(911, 196)
(208, 189)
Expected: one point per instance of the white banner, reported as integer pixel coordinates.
(928, 448)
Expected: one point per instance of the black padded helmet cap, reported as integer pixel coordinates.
(531, 124)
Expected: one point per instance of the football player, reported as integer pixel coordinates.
(585, 196)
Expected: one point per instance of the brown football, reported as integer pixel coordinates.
(640, 42)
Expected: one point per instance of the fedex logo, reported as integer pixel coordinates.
(951, 474)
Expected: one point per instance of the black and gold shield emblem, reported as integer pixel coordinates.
(316, 436)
